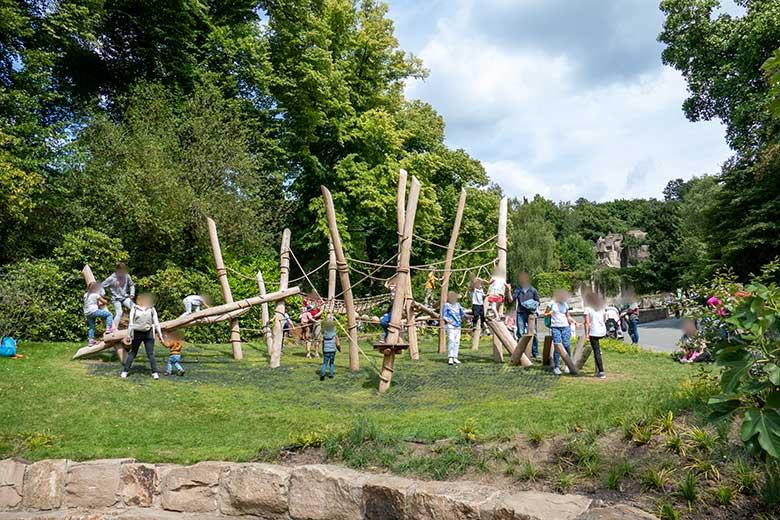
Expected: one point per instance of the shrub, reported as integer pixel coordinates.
(666, 511)
(725, 494)
(688, 488)
(307, 440)
(469, 431)
(88, 246)
(746, 478)
(547, 283)
(656, 479)
(700, 439)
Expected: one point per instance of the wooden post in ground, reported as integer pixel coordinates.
(477, 334)
(445, 281)
(121, 351)
(498, 355)
(332, 274)
(581, 352)
(393, 346)
(566, 359)
(284, 277)
(547, 355)
(411, 329)
(346, 286)
(269, 336)
(227, 295)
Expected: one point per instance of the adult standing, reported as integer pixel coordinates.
(121, 288)
(527, 298)
(596, 328)
(632, 316)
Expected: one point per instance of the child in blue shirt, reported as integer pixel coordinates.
(330, 344)
(453, 316)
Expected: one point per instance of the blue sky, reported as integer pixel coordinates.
(566, 98)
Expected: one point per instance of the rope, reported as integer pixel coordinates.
(430, 264)
(431, 242)
(371, 361)
(382, 266)
(306, 275)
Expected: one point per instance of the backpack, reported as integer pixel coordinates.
(8, 347)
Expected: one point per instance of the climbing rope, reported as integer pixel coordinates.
(458, 250)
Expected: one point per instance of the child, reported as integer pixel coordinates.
(596, 328)
(140, 329)
(477, 304)
(693, 346)
(384, 321)
(122, 290)
(174, 345)
(194, 302)
(496, 292)
(453, 315)
(92, 311)
(430, 285)
(560, 326)
(330, 344)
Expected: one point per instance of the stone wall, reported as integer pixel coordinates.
(128, 490)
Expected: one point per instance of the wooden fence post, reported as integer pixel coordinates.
(445, 282)
(411, 323)
(346, 286)
(235, 331)
(498, 355)
(269, 337)
(284, 277)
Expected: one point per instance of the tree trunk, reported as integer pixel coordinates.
(235, 331)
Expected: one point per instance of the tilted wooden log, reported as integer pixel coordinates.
(269, 336)
(566, 358)
(581, 352)
(219, 312)
(547, 355)
(501, 259)
(501, 335)
(445, 282)
(427, 310)
(411, 330)
(284, 275)
(235, 331)
(520, 356)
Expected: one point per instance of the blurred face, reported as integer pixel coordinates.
(689, 328)
(121, 272)
(561, 296)
(146, 300)
(524, 279)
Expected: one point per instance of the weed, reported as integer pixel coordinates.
(614, 479)
(535, 437)
(688, 488)
(656, 479)
(666, 511)
(530, 472)
(641, 434)
(725, 494)
(770, 493)
(564, 482)
(700, 439)
(705, 468)
(675, 444)
(591, 468)
(468, 431)
(747, 478)
(665, 424)
(302, 441)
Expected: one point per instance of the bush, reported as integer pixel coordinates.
(88, 246)
(547, 283)
(35, 303)
(577, 254)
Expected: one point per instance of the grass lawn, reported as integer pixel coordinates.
(224, 410)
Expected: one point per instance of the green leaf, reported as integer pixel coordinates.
(763, 426)
(722, 407)
(773, 371)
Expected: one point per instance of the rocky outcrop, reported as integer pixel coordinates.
(127, 490)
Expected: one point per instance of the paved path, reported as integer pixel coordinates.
(661, 336)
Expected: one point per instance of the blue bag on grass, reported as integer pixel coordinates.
(8, 347)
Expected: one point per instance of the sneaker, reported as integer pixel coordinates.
(123, 375)
(155, 375)
(450, 361)
(330, 376)
(166, 374)
(322, 378)
(601, 375)
(93, 342)
(308, 355)
(557, 371)
(110, 330)
(382, 340)
(181, 373)
(565, 369)
(456, 360)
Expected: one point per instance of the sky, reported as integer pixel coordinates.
(564, 98)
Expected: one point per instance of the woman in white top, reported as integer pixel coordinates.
(596, 328)
(140, 329)
(560, 326)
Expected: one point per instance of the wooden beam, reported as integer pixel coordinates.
(284, 277)
(400, 211)
(218, 313)
(566, 359)
(269, 336)
(476, 336)
(500, 260)
(227, 295)
(346, 286)
(332, 275)
(445, 282)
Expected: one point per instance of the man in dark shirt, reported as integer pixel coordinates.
(525, 294)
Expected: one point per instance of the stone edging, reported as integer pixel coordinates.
(125, 489)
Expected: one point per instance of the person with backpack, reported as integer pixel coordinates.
(527, 298)
(559, 319)
(121, 288)
(142, 325)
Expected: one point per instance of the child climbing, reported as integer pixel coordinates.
(453, 316)
(175, 344)
(596, 328)
(330, 344)
(384, 321)
(496, 291)
(477, 304)
(92, 311)
(121, 288)
(430, 285)
(194, 302)
(141, 327)
(560, 326)
(527, 298)
(691, 343)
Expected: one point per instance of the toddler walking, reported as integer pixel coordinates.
(330, 344)
(140, 329)
(92, 311)
(175, 344)
(453, 317)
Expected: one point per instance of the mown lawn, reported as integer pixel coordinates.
(53, 406)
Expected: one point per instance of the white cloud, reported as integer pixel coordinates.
(539, 126)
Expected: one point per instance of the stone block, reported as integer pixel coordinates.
(255, 489)
(320, 492)
(138, 484)
(387, 497)
(536, 505)
(191, 489)
(93, 484)
(617, 512)
(11, 483)
(450, 500)
(44, 483)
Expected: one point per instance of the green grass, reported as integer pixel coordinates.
(224, 410)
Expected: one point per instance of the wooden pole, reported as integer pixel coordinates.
(476, 335)
(332, 275)
(414, 350)
(346, 286)
(269, 336)
(445, 282)
(402, 283)
(218, 313)
(235, 331)
(566, 359)
(284, 277)
(498, 355)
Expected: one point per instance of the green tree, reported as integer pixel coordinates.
(532, 243)
(577, 254)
